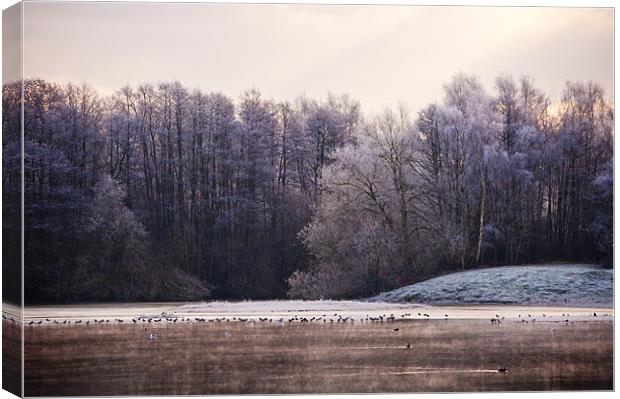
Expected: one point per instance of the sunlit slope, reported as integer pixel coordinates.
(566, 285)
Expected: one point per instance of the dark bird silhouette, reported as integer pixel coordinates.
(408, 346)
(396, 329)
(502, 370)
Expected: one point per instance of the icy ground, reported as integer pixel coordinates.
(283, 306)
(564, 285)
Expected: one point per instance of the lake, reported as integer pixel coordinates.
(417, 354)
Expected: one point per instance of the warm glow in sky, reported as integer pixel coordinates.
(377, 54)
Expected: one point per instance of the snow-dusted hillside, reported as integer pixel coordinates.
(567, 285)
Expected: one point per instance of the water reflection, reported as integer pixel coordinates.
(245, 357)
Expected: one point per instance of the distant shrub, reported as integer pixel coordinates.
(304, 285)
(180, 286)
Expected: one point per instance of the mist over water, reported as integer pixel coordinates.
(255, 358)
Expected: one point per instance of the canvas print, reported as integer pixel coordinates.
(206, 198)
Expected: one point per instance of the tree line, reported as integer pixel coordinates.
(160, 192)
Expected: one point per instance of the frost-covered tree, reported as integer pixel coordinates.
(365, 230)
(252, 196)
(477, 179)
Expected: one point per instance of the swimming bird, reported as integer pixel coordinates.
(502, 370)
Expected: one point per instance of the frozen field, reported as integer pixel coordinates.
(573, 292)
(549, 285)
(293, 311)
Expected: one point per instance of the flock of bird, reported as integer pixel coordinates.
(325, 318)
(333, 318)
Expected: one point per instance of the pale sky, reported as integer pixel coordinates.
(377, 54)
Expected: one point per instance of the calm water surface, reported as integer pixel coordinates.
(262, 357)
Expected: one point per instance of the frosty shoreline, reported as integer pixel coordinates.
(282, 311)
(547, 292)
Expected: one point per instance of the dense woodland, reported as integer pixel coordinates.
(161, 192)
